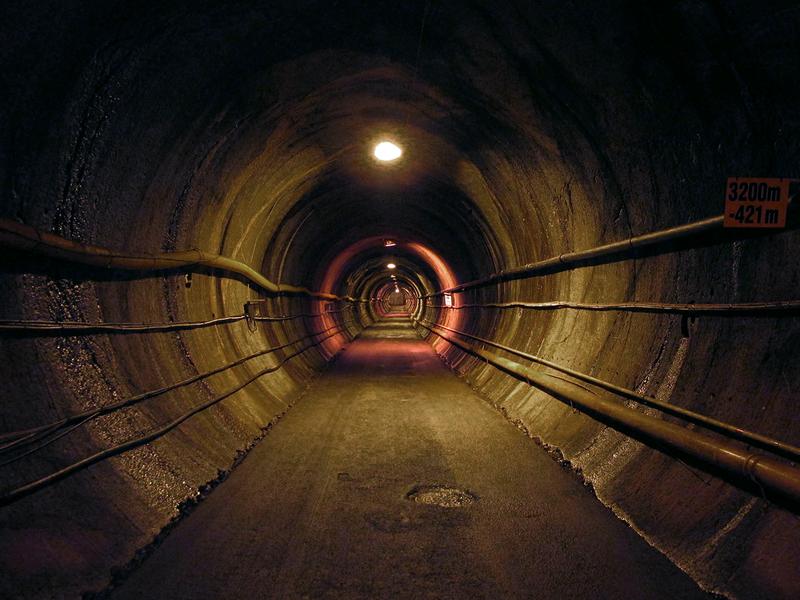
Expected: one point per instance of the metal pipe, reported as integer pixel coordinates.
(571, 259)
(771, 476)
(744, 435)
(25, 238)
(754, 308)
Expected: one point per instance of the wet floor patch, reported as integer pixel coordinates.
(441, 495)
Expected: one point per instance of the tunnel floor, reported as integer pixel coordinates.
(328, 504)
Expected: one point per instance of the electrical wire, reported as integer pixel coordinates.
(27, 436)
(750, 437)
(77, 326)
(46, 443)
(34, 486)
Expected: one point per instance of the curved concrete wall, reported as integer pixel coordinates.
(529, 132)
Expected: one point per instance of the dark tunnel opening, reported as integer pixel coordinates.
(193, 219)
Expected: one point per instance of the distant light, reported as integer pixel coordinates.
(391, 266)
(387, 151)
(397, 289)
(389, 243)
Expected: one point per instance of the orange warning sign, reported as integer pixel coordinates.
(756, 202)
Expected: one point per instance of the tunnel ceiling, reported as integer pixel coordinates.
(238, 118)
(264, 112)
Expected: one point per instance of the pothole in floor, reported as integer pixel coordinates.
(441, 495)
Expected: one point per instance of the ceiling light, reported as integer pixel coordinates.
(387, 151)
(389, 243)
(391, 266)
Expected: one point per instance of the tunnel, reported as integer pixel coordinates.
(524, 354)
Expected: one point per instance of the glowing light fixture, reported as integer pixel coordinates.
(389, 243)
(391, 266)
(387, 151)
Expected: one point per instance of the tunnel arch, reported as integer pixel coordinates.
(528, 132)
